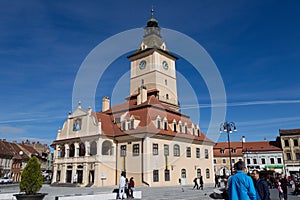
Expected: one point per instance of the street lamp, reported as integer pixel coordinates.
(228, 127)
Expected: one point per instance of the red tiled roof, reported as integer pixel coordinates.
(146, 112)
(261, 146)
(224, 146)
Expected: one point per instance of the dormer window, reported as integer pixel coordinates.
(233, 150)
(180, 128)
(185, 128)
(158, 123)
(123, 125)
(222, 151)
(165, 124)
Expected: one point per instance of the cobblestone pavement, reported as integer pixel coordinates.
(148, 193)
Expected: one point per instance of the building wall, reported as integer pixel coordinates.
(142, 167)
(291, 152)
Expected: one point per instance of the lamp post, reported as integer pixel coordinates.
(228, 127)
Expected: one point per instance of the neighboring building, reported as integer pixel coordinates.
(14, 157)
(290, 140)
(147, 137)
(265, 155)
(221, 156)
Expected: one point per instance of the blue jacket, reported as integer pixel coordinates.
(241, 187)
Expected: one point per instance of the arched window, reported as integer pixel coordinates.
(174, 127)
(107, 148)
(167, 96)
(176, 150)
(81, 149)
(183, 173)
(207, 173)
(72, 150)
(198, 173)
(158, 121)
(93, 148)
(63, 151)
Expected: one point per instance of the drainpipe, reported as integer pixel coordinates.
(143, 181)
(116, 173)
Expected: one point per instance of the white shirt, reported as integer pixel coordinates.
(122, 181)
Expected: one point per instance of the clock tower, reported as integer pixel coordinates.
(153, 66)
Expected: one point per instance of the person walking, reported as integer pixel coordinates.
(216, 180)
(201, 182)
(284, 186)
(131, 187)
(261, 186)
(196, 184)
(240, 185)
(122, 186)
(280, 191)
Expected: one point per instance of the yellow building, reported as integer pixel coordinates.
(290, 143)
(146, 136)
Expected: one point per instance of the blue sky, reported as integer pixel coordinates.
(255, 45)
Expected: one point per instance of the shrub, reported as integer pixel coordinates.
(31, 177)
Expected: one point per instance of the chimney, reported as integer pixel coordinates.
(142, 96)
(105, 104)
(243, 139)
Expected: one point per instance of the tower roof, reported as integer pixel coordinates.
(152, 37)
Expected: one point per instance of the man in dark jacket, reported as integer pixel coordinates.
(261, 186)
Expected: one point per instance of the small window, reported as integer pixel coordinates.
(215, 161)
(186, 129)
(143, 82)
(132, 124)
(167, 175)
(254, 161)
(180, 128)
(166, 82)
(286, 143)
(155, 149)
(167, 96)
(188, 152)
(176, 150)
(263, 161)
(222, 151)
(296, 142)
(174, 127)
(198, 173)
(232, 160)
(206, 154)
(279, 160)
(136, 150)
(297, 156)
(123, 151)
(166, 125)
(233, 150)
(197, 152)
(166, 150)
(155, 175)
(248, 161)
(223, 160)
(123, 126)
(207, 174)
(158, 123)
(272, 160)
(183, 173)
(288, 156)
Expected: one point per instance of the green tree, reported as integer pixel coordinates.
(31, 177)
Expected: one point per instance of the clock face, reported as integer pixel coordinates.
(143, 64)
(165, 65)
